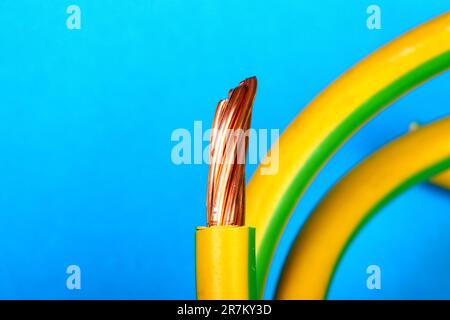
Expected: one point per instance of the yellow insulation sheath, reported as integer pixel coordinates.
(225, 263)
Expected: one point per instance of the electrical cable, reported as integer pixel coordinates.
(330, 119)
(225, 249)
(352, 202)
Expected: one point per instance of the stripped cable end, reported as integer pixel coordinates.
(225, 198)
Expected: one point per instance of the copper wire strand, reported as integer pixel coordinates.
(225, 196)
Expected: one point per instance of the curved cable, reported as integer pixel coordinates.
(331, 118)
(353, 201)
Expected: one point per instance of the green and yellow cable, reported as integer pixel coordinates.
(225, 263)
(354, 200)
(330, 119)
(304, 148)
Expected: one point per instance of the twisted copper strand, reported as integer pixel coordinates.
(225, 198)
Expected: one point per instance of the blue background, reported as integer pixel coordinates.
(86, 117)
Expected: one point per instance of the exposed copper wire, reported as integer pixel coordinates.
(225, 197)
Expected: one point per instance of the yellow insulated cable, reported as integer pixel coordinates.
(225, 263)
(344, 210)
(331, 118)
